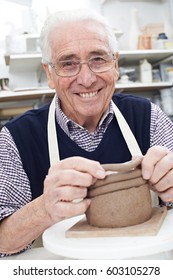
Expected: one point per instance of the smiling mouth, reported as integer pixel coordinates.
(88, 94)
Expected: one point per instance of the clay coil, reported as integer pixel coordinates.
(117, 177)
(116, 186)
(123, 167)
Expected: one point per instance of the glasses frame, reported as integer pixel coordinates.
(80, 63)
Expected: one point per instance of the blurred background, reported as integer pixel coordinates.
(144, 30)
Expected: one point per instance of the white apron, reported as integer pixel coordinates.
(125, 129)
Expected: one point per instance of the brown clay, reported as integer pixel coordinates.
(121, 199)
(116, 177)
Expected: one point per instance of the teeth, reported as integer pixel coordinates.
(88, 94)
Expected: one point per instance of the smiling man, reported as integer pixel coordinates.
(85, 71)
(50, 156)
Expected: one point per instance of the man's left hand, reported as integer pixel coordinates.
(157, 168)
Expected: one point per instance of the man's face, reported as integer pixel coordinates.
(85, 96)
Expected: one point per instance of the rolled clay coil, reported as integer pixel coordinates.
(121, 199)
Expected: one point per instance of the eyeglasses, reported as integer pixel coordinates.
(97, 64)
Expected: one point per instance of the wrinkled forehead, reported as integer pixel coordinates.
(78, 34)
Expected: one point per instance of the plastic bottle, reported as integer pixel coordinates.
(134, 30)
(145, 70)
(162, 41)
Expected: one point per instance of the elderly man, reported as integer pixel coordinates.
(43, 169)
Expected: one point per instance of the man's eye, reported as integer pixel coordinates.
(98, 59)
(67, 64)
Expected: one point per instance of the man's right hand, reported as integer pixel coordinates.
(67, 181)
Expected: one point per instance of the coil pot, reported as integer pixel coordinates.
(121, 199)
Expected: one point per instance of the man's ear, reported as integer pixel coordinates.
(49, 76)
(116, 60)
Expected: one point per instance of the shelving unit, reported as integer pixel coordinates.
(155, 57)
(15, 103)
(25, 71)
(28, 82)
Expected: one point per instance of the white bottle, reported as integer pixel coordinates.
(145, 71)
(134, 30)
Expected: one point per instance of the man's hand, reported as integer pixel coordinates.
(157, 167)
(67, 181)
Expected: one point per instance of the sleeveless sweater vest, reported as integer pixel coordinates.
(29, 132)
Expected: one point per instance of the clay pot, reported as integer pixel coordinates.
(121, 199)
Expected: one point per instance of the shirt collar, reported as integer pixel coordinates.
(65, 122)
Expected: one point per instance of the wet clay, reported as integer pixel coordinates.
(121, 199)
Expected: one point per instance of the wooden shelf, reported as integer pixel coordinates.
(143, 87)
(25, 95)
(155, 57)
(16, 103)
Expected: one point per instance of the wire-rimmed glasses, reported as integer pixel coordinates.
(72, 67)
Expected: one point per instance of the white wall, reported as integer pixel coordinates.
(24, 19)
(149, 11)
(16, 19)
(50, 6)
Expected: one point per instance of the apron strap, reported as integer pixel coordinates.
(127, 133)
(52, 136)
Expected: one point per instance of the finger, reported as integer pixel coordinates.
(152, 157)
(163, 169)
(70, 209)
(69, 193)
(165, 182)
(166, 196)
(69, 177)
(84, 165)
(56, 198)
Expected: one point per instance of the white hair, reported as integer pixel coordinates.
(57, 19)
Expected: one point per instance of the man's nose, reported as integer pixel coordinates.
(86, 77)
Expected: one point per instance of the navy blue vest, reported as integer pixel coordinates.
(29, 132)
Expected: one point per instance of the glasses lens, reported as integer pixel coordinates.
(67, 68)
(100, 63)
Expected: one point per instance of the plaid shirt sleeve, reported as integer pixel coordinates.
(161, 130)
(14, 185)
